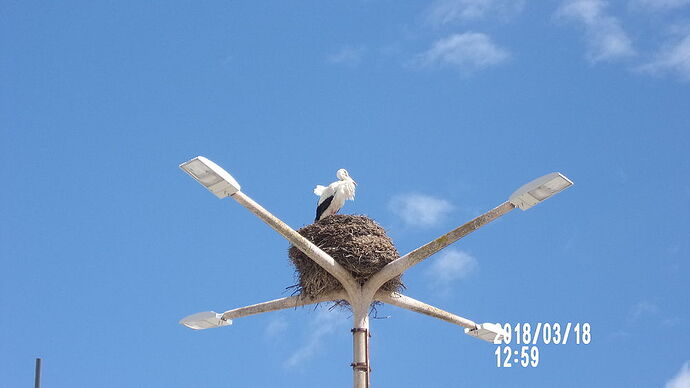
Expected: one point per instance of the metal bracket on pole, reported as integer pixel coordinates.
(360, 330)
(360, 365)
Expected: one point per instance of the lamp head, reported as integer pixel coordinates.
(211, 176)
(539, 189)
(490, 332)
(205, 320)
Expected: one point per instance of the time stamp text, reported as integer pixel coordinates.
(520, 347)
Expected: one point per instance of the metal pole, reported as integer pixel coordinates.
(361, 368)
(37, 381)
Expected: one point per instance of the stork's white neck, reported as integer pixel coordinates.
(347, 187)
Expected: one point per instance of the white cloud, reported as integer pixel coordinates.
(606, 39)
(275, 328)
(420, 210)
(671, 322)
(465, 52)
(682, 379)
(324, 324)
(348, 56)
(641, 309)
(673, 59)
(450, 266)
(448, 11)
(660, 5)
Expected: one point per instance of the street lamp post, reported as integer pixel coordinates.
(360, 297)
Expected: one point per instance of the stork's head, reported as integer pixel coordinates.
(342, 174)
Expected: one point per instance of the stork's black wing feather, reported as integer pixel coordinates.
(323, 206)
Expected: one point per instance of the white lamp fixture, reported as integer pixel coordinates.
(205, 320)
(491, 332)
(211, 176)
(539, 189)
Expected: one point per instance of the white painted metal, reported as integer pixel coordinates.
(361, 366)
(490, 332)
(280, 304)
(539, 189)
(211, 319)
(400, 265)
(315, 253)
(205, 320)
(411, 304)
(211, 176)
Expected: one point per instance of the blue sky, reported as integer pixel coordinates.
(438, 109)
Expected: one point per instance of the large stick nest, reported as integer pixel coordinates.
(356, 242)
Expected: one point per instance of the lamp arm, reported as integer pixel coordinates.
(281, 304)
(400, 300)
(398, 266)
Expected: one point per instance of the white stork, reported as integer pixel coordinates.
(333, 197)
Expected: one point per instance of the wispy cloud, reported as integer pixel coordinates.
(324, 323)
(443, 12)
(606, 39)
(641, 309)
(347, 56)
(682, 379)
(465, 52)
(660, 5)
(275, 328)
(671, 322)
(419, 210)
(672, 59)
(449, 267)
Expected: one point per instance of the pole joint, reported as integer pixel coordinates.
(361, 330)
(363, 366)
